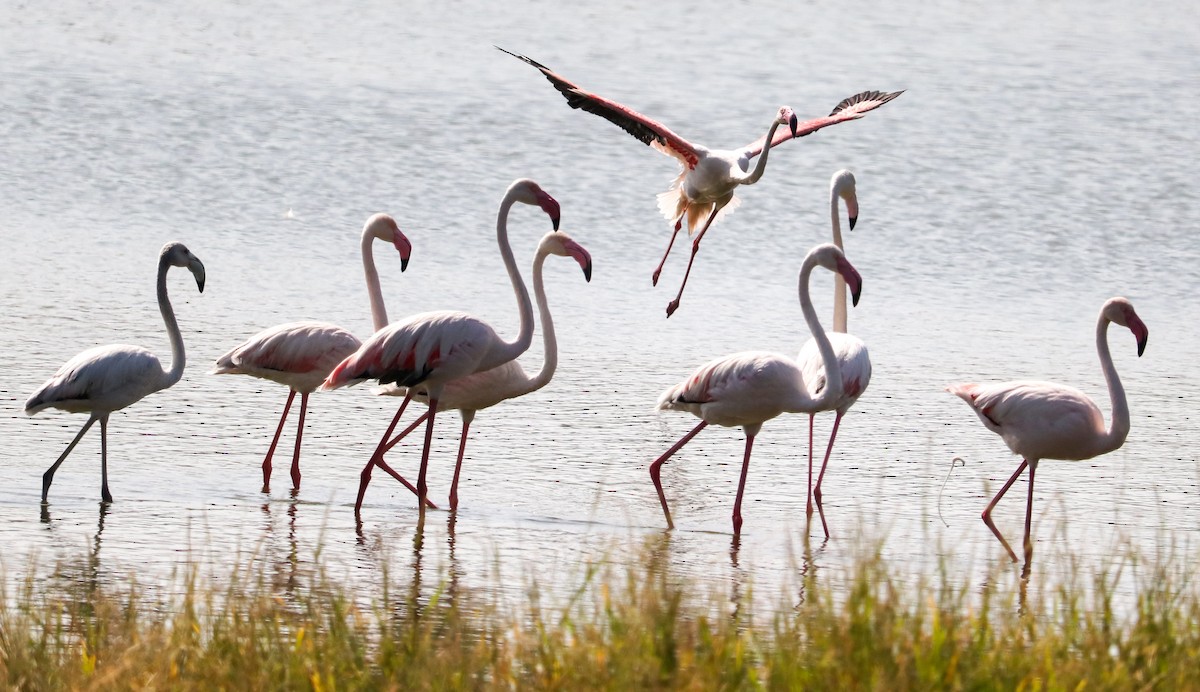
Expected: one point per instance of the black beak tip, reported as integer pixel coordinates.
(200, 285)
(403, 263)
(587, 273)
(554, 222)
(793, 125)
(853, 220)
(1142, 346)
(855, 296)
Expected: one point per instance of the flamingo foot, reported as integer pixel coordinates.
(266, 489)
(672, 307)
(654, 276)
(737, 524)
(106, 496)
(295, 479)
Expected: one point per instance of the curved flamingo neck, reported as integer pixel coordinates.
(510, 350)
(549, 342)
(178, 358)
(1119, 429)
(761, 164)
(833, 371)
(839, 284)
(379, 316)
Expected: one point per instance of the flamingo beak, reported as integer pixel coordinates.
(550, 206)
(580, 255)
(1139, 332)
(793, 124)
(404, 247)
(196, 267)
(853, 280)
(852, 210)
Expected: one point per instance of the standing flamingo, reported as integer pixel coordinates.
(435, 348)
(489, 387)
(104, 379)
(300, 355)
(1045, 420)
(750, 388)
(709, 177)
(851, 352)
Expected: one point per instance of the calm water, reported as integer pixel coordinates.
(1041, 161)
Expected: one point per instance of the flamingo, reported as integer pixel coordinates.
(708, 177)
(752, 387)
(434, 348)
(851, 352)
(1046, 420)
(490, 387)
(300, 355)
(104, 379)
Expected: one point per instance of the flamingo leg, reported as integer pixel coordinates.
(404, 433)
(670, 244)
(412, 488)
(674, 304)
(656, 468)
(48, 477)
(377, 456)
(422, 487)
(821, 476)
(1033, 464)
(462, 446)
(808, 507)
(104, 494)
(737, 504)
(266, 465)
(987, 512)
(299, 435)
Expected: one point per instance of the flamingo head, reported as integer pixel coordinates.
(561, 244)
(529, 192)
(1120, 311)
(832, 258)
(176, 254)
(843, 186)
(383, 227)
(788, 117)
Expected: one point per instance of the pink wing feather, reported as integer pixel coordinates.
(851, 108)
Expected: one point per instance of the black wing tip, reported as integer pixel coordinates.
(522, 58)
(881, 96)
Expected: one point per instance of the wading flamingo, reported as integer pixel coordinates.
(104, 379)
(490, 387)
(709, 177)
(1045, 420)
(850, 350)
(434, 348)
(300, 355)
(750, 388)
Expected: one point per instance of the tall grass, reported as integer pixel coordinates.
(626, 628)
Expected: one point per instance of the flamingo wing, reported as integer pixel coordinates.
(297, 354)
(738, 389)
(1041, 420)
(851, 108)
(646, 130)
(104, 378)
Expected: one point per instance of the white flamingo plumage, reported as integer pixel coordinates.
(748, 389)
(485, 389)
(300, 355)
(850, 350)
(1046, 420)
(435, 348)
(104, 379)
(706, 184)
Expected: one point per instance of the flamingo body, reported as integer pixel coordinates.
(853, 360)
(298, 355)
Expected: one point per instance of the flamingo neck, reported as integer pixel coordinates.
(379, 317)
(549, 342)
(178, 358)
(839, 284)
(761, 164)
(1119, 429)
(833, 371)
(510, 350)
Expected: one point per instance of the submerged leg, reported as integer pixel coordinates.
(987, 512)
(462, 446)
(422, 488)
(808, 507)
(377, 456)
(299, 434)
(737, 504)
(820, 477)
(1033, 464)
(48, 476)
(104, 494)
(656, 468)
(670, 244)
(674, 304)
(266, 465)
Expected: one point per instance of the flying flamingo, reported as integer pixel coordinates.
(435, 348)
(851, 352)
(708, 178)
(750, 388)
(300, 355)
(104, 379)
(489, 387)
(1045, 420)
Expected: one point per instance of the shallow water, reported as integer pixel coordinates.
(1040, 162)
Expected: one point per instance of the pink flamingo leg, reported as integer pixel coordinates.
(670, 244)
(104, 494)
(737, 504)
(809, 505)
(656, 467)
(404, 433)
(987, 512)
(422, 488)
(674, 304)
(48, 476)
(462, 447)
(820, 477)
(266, 465)
(1033, 464)
(377, 455)
(299, 435)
